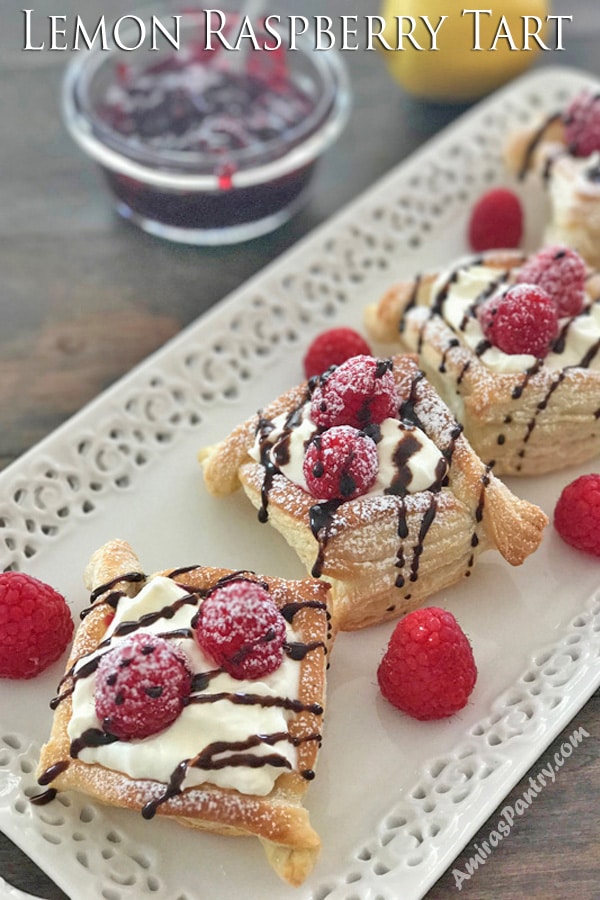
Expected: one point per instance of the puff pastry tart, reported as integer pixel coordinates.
(178, 701)
(563, 152)
(524, 413)
(367, 475)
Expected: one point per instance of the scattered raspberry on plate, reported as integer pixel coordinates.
(496, 221)
(35, 625)
(428, 669)
(577, 514)
(561, 272)
(240, 626)
(333, 347)
(141, 686)
(340, 464)
(522, 319)
(359, 392)
(582, 124)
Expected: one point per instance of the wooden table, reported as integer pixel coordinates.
(84, 297)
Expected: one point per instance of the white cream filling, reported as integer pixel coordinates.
(470, 283)
(199, 724)
(422, 464)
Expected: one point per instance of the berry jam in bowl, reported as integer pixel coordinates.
(202, 138)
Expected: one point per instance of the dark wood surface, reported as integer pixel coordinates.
(84, 297)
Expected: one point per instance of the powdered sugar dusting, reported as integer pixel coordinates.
(141, 685)
(241, 628)
(201, 724)
(561, 272)
(358, 392)
(341, 463)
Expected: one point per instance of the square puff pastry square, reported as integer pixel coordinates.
(223, 799)
(522, 415)
(572, 183)
(383, 552)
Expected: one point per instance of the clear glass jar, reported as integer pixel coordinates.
(206, 146)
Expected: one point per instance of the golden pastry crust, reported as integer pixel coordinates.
(278, 819)
(573, 191)
(385, 554)
(529, 422)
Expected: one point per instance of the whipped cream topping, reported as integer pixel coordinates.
(462, 288)
(200, 724)
(409, 461)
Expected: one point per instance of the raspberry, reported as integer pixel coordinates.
(496, 221)
(577, 514)
(341, 463)
(141, 686)
(522, 319)
(242, 629)
(359, 392)
(35, 625)
(561, 272)
(582, 124)
(428, 669)
(333, 347)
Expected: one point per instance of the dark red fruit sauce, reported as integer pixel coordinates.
(193, 114)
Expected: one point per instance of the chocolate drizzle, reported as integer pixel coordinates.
(426, 523)
(44, 798)
(412, 301)
(534, 143)
(402, 532)
(131, 577)
(237, 753)
(91, 737)
(167, 612)
(321, 518)
(558, 345)
(274, 454)
(47, 777)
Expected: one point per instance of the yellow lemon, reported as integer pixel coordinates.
(468, 53)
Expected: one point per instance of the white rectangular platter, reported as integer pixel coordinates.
(394, 800)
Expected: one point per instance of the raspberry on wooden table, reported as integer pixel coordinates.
(35, 625)
(496, 221)
(582, 124)
(522, 319)
(240, 626)
(561, 272)
(577, 514)
(359, 392)
(428, 670)
(141, 686)
(333, 347)
(340, 464)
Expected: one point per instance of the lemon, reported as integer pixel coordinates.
(456, 71)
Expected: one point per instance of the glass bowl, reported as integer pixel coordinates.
(205, 146)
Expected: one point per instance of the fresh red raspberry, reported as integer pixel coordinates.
(496, 221)
(428, 669)
(582, 124)
(333, 347)
(359, 392)
(341, 463)
(141, 686)
(240, 626)
(522, 319)
(561, 272)
(577, 514)
(35, 625)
